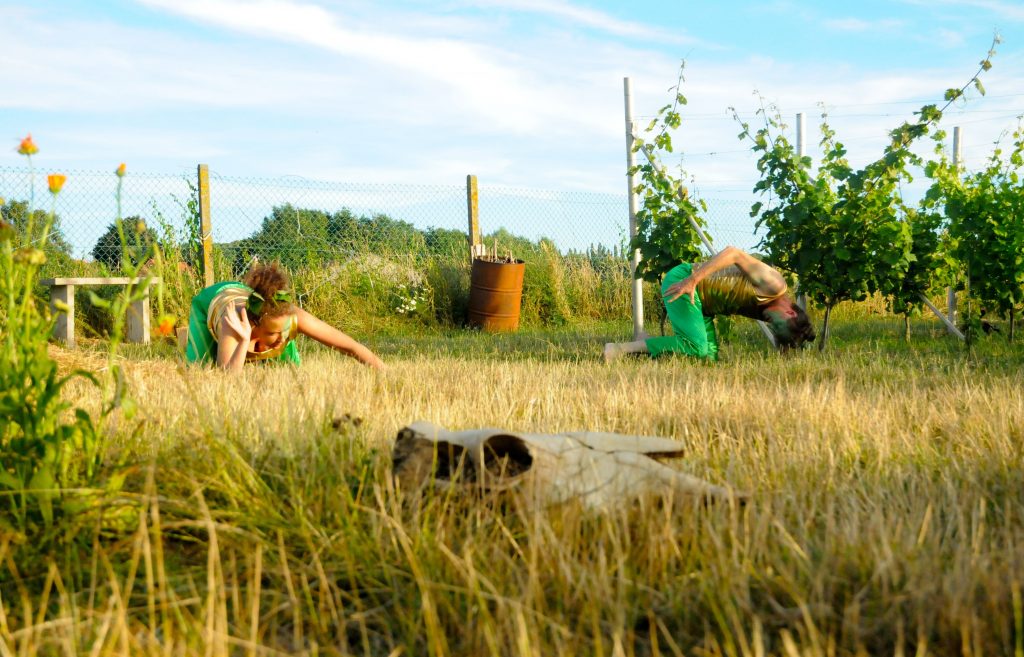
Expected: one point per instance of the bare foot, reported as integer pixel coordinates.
(611, 351)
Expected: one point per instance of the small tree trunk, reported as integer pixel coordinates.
(906, 327)
(824, 327)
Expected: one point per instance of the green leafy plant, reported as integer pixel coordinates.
(43, 452)
(985, 213)
(846, 233)
(665, 234)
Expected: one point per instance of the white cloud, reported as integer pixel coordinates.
(475, 77)
(1012, 11)
(860, 25)
(279, 86)
(590, 18)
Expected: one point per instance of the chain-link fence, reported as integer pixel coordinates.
(297, 219)
(384, 252)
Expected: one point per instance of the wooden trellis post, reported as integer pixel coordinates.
(205, 225)
(476, 248)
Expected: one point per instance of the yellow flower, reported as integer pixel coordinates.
(27, 146)
(165, 326)
(121, 170)
(56, 182)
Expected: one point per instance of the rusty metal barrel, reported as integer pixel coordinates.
(496, 294)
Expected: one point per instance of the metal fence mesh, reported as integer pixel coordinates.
(304, 220)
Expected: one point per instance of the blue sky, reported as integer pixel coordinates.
(520, 92)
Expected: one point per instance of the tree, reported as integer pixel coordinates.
(298, 237)
(57, 249)
(138, 243)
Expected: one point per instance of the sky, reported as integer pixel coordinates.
(522, 93)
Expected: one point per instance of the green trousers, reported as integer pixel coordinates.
(693, 333)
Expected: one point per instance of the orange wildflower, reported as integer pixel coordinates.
(56, 182)
(121, 170)
(165, 326)
(27, 146)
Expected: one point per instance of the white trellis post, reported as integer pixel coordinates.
(638, 289)
(801, 150)
(948, 317)
(957, 159)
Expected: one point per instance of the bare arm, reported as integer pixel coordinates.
(326, 334)
(766, 279)
(235, 332)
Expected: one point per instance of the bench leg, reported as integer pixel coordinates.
(64, 329)
(138, 321)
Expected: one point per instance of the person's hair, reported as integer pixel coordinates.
(793, 331)
(272, 283)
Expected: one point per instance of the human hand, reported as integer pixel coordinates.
(687, 286)
(237, 321)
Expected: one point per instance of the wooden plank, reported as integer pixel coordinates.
(138, 321)
(64, 328)
(205, 224)
(473, 210)
(96, 281)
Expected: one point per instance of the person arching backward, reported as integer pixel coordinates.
(234, 322)
(730, 283)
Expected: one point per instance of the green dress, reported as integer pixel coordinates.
(209, 306)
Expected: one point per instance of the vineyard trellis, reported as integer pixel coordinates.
(848, 233)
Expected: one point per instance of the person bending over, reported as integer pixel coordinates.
(731, 283)
(234, 322)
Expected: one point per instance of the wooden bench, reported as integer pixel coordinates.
(62, 290)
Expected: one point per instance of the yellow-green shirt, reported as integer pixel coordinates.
(729, 292)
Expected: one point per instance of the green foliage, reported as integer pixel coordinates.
(190, 243)
(444, 242)
(986, 225)
(112, 248)
(847, 233)
(56, 247)
(290, 235)
(665, 235)
(299, 237)
(927, 263)
(43, 451)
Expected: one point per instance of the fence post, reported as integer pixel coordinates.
(638, 285)
(205, 225)
(801, 150)
(957, 158)
(473, 211)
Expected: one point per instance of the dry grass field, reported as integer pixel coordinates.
(886, 512)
